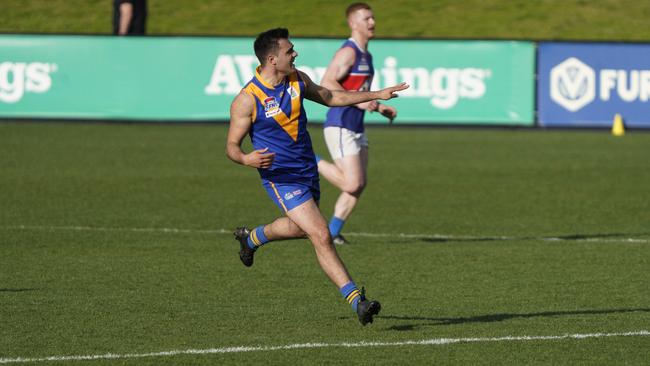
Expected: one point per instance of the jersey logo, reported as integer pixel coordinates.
(293, 194)
(363, 64)
(271, 107)
(292, 91)
(289, 123)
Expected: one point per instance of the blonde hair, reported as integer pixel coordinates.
(354, 7)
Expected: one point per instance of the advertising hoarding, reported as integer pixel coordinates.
(587, 84)
(196, 78)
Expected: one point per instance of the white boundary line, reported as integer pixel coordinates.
(128, 229)
(243, 349)
(352, 234)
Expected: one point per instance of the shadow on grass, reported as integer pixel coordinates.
(571, 237)
(17, 289)
(490, 318)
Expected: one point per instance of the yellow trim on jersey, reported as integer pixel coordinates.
(289, 124)
(277, 194)
(255, 90)
(295, 101)
(259, 77)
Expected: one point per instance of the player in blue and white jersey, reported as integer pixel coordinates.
(350, 69)
(270, 110)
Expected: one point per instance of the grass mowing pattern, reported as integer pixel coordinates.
(78, 292)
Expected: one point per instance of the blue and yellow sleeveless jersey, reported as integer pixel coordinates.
(359, 78)
(280, 123)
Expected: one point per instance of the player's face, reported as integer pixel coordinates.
(284, 61)
(363, 21)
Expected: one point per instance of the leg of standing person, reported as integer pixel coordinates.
(349, 174)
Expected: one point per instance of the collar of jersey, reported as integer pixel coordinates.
(266, 85)
(357, 45)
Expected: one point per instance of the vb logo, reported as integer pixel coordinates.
(573, 84)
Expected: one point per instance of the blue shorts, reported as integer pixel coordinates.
(288, 196)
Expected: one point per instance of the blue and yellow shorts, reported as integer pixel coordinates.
(288, 196)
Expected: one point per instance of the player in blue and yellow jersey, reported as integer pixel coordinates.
(270, 110)
(350, 69)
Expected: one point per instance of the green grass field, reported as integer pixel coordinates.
(485, 246)
(115, 238)
(505, 19)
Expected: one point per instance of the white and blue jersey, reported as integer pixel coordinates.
(359, 78)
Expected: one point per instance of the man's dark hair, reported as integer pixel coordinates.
(267, 43)
(354, 7)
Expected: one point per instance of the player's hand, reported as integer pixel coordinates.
(388, 112)
(370, 106)
(391, 92)
(258, 159)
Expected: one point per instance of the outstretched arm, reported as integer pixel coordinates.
(241, 113)
(339, 98)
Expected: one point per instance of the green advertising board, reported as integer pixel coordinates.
(196, 78)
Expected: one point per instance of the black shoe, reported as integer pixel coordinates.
(245, 252)
(366, 309)
(339, 240)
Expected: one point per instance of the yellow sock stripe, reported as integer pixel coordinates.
(254, 238)
(354, 294)
(277, 194)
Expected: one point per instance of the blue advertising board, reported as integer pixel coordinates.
(587, 84)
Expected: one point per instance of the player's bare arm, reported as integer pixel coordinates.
(339, 98)
(338, 69)
(241, 113)
(387, 111)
